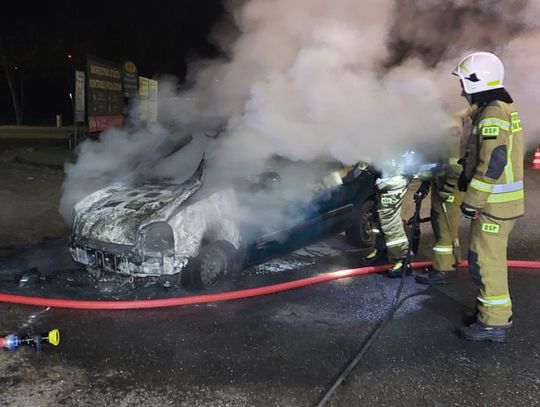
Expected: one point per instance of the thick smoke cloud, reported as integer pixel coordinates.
(320, 81)
(440, 32)
(522, 57)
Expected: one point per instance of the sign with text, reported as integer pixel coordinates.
(130, 79)
(79, 96)
(143, 98)
(105, 96)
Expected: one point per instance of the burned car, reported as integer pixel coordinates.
(196, 236)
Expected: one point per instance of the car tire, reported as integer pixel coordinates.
(360, 233)
(215, 263)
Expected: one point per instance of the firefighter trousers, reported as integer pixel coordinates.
(390, 194)
(444, 234)
(487, 265)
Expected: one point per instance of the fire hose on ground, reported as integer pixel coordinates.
(223, 296)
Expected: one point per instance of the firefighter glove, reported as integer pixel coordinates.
(445, 188)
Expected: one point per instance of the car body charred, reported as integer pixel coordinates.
(193, 235)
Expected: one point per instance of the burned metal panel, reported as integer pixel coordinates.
(212, 218)
(117, 213)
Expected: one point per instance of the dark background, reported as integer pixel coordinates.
(160, 37)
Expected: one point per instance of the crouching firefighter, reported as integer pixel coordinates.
(492, 180)
(392, 243)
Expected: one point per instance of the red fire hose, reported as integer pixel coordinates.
(223, 296)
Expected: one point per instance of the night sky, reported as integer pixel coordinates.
(159, 36)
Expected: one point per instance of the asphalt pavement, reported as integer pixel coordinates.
(285, 349)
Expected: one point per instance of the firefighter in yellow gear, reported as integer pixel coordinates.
(492, 180)
(445, 213)
(392, 242)
(390, 194)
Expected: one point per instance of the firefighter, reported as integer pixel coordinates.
(445, 213)
(390, 194)
(392, 243)
(492, 179)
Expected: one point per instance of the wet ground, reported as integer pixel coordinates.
(278, 350)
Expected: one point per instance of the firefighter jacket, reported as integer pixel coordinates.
(454, 143)
(493, 164)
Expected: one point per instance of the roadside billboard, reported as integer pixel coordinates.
(143, 98)
(130, 79)
(105, 96)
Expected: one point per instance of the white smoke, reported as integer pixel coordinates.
(320, 81)
(443, 31)
(307, 80)
(522, 57)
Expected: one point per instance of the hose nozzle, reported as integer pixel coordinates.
(13, 341)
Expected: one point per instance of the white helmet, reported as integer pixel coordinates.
(480, 71)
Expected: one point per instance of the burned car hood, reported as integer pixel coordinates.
(116, 213)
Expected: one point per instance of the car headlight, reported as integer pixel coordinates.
(157, 237)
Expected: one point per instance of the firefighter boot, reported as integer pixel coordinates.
(376, 257)
(480, 332)
(434, 277)
(398, 268)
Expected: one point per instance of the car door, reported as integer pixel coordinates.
(330, 211)
(314, 218)
(262, 244)
(338, 207)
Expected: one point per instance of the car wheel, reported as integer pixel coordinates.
(360, 234)
(215, 263)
